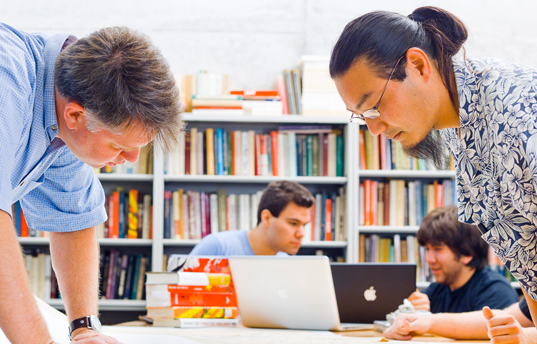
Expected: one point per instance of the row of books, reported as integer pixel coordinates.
(394, 249)
(380, 153)
(193, 215)
(123, 275)
(41, 275)
(144, 165)
(402, 203)
(195, 288)
(290, 151)
(130, 216)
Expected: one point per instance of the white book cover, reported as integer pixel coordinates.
(318, 216)
(179, 156)
(281, 155)
(214, 213)
(200, 153)
(203, 214)
(331, 155)
(393, 202)
(397, 247)
(285, 154)
(291, 138)
(410, 249)
(146, 224)
(41, 275)
(253, 210)
(185, 216)
(245, 153)
(412, 204)
(307, 232)
(237, 152)
(232, 211)
(193, 151)
(197, 214)
(48, 274)
(34, 275)
(245, 212)
(251, 153)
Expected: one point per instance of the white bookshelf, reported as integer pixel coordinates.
(255, 179)
(107, 305)
(388, 229)
(102, 242)
(418, 174)
(287, 119)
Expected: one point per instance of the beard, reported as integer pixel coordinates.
(430, 149)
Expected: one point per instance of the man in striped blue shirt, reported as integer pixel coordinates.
(68, 105)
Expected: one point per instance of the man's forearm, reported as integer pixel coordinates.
(20, 318)
(75, 258)
(471, 325)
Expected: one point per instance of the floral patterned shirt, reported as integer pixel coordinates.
(496, 159)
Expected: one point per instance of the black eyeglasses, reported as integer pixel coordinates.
(373, 112)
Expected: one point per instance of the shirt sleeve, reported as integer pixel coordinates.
(71, 197)
(208, 246)
(523, 304)
(15, 94)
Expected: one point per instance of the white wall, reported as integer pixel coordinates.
(253, 40)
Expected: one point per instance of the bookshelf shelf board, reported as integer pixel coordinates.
(185, 242)
(325, 244)
(33, 241)
(388, 229)
(125, 242)
(188, 117)
(250, 179)
(106, 305)
(123, 177)
(405, 174)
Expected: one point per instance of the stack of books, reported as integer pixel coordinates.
(260, 102)
(200, 293)
(319, 93)
(291, 151)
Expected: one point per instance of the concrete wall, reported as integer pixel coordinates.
(253, 41)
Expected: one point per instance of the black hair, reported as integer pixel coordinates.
(381, 38)
(441, 226)
(277, 195)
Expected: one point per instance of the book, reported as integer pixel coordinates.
(162, 295)
(194, 312)
(186, 322)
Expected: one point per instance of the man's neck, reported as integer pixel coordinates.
(464, 277)
(259, 241)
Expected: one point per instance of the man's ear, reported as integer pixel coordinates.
(466, 259)
(74, 115)
(418, 63)
(265, 217)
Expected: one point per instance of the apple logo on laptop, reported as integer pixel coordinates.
(282, 294)
(370, 294)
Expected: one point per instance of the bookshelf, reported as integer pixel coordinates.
(158, 182)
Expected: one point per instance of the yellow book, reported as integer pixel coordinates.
(209, 133)
(193, 151)
(133, 214)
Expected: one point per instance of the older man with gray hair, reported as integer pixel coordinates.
(68, 105)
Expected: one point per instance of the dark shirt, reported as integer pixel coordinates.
(485, 288)
(523, 304)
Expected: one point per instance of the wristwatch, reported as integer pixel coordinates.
(90, 321)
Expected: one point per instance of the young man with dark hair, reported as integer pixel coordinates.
(457, 257)
(284, 210)
(68, 105)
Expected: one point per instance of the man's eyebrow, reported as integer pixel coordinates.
(364, 98)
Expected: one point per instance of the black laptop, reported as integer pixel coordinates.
(367, 292)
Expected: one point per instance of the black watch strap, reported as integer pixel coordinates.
(90, 321)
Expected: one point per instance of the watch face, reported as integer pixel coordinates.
(95, 324)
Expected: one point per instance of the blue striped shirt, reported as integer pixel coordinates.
(57, 191)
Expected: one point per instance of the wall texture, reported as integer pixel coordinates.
(253, 41)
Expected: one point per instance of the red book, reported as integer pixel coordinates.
(171, 295)
(313, 221)
(274, 144)
(219, 107)
(325, 155)
(257, 155)
(24, 225)
(187, 153)
(383, 161)
(439, 194)
(363, 165)
(280, 85)
(256, 93)
(115, 229)
(374, 202)
(367, 202)
(328, 221)
(386, 204)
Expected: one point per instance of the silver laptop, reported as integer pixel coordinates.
(287, 292)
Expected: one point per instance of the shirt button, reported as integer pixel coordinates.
(21, 184)
(53, 127)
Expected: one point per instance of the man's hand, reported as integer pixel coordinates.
(420, 301)
(87, 336)
(504, 328)
(407, 326)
